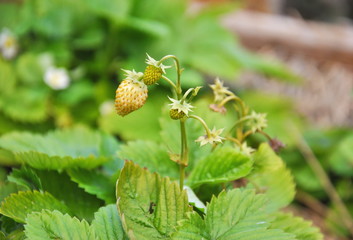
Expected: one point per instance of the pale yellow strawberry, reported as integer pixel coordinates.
(130, 96)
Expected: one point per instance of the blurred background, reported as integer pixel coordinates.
(61, 60)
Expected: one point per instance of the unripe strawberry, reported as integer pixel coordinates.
(152, 74)
(130, 96)
(176, 114)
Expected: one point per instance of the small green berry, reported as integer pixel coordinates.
(175, 114)
(152, 74)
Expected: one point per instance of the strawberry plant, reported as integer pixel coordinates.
(193, 182)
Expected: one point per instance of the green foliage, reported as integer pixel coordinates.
(341, 158)
(271, 176)
(238, 214)
(95, 182)
(81, 204)
(75, 147)
(18, 205)
(224, 164)
(47, 224)
(107, 224)
(151, 155)
(150, 206)
(300, 228)
(131, 127)
(26, 178)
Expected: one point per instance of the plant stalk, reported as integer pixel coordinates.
(326, 183)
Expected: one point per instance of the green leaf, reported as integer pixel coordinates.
(303, 230)
(74, 147)
(7, 158)
(116, 10)
(76, 93)
(26, 178)
(18, 205)
(6, 188)
(46, 225)
(223, 165)
(271, 175)
(27, 104)
(107, 224)
(341, 158)
(237, 214)
(2, 236)
(150, 206)
(82, 204)
(16, 235)
(7, 78)
(8, 225)
(95, 182)
(29, 69)
(151, 155)
(193, 228)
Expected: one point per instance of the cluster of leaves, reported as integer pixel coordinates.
(62, 186)
(332, 147)
(92, 39)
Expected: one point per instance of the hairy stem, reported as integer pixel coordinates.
(178, 70)
(179, 92)
(184, 153)
(208, 132)
(170, 82)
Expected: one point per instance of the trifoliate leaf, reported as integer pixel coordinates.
(75, 147)
(303, 230)
(237, 214)
(150, 206)
(82, 204)
(151, 155)
(26, 178)
(18, 205)
(46, 225)
(107, 224)
(223, 165)
(95, 182)
(271, 175)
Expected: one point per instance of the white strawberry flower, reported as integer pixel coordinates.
(180, 106)
(106, 108)
(212, 138)
(257, 121)
(245, 149)
(220, 92)
(8, 44)
(57, 78)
